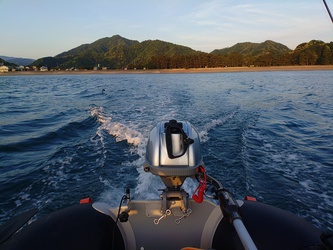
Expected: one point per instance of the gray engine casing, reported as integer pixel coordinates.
(159, 163)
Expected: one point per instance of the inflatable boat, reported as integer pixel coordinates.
(209, 218)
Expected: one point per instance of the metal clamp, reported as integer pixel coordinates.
(187, 213)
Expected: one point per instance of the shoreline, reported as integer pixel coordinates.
(175, 71)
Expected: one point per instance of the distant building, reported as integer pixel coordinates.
(43, 68)
(3, 69)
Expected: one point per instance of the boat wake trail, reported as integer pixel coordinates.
(135, 145)
(147, 186)
(212, 124)
(116, 129)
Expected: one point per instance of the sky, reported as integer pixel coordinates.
(40, 28)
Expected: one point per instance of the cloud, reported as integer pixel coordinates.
(201, 25)
(228, 22)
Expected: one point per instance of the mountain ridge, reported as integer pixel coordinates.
(255, 49)
(117, 52)
(17, 60)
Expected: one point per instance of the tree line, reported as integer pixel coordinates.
(107, 54)
(316, 56)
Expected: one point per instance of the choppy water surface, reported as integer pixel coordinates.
(264, 134)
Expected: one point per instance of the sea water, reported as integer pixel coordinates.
(263, 134)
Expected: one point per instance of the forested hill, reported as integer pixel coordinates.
(117, 52)
(255, 49)
(6, 63)
(13, 61)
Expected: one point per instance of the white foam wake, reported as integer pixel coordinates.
(212, 124)
(148, 185)
(120, 131)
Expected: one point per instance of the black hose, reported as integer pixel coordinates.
(328, 10)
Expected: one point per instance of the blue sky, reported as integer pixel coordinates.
(40, 28)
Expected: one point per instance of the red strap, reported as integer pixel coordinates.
(199, 192)
(86, 200)
(250, 198)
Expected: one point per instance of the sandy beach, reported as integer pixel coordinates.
(176, 71)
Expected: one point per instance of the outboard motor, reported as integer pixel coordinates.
(173, 152)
